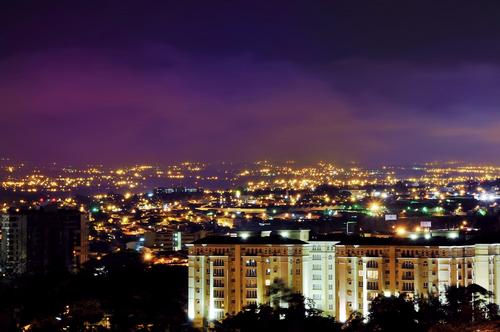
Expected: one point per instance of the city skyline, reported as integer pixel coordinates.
(120, 82)
(238, 166)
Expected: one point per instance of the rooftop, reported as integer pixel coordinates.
(400, 241)
(249, 240)
(353, 240)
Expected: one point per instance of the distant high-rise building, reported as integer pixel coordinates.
(43, 241)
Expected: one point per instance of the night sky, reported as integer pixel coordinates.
(163, 81)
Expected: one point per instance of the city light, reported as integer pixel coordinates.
(245, 166)
(374, 207)
(401, 231)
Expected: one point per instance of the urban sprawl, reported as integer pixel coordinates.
(340, 235)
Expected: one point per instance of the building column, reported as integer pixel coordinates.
(365, 290)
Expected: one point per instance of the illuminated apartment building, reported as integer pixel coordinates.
(340, 276)
(321, 270)
(366, 270)
(228, 273)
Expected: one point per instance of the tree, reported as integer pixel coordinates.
(355, 323)
(466, 304)
(286, 311)
(83, 313)
(430, 312)
(134, 296)
(392, 313)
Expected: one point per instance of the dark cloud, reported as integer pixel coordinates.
(373, 81)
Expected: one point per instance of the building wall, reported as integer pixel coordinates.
(39, 242)
(340, 279)
(319, 282)
(223, 279)
(364, 272)
(13, 255)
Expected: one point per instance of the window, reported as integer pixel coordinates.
(218, 262)
(250, 284)
(251, 262)
(408, 286)
(218, 272)
(251, 294)
(407, 265)
(251, 273)
(219, 293)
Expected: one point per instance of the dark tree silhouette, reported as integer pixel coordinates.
(286, 311)
(134, 296)
(392, 313)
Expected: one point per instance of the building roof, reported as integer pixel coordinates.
(249, 240)
(352, 240)
(398, 241)
(43, 210)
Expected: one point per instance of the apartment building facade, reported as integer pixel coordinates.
(341, 277)
(227, 274)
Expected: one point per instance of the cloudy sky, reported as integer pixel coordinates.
(163, 81)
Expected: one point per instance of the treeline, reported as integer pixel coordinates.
(460, 309)
(121, 293)
(117, 293)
